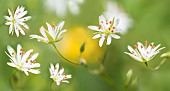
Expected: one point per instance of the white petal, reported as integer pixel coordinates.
(26, 73)
(23, 24)
(109, 39)
(11, 50)
(10, 13)
(12, 64)
(56, 69)
(19, 52)
(142, 51)
(115, 36)
(8, 23)
(24, 19)
(59, 35)
(50, 30)
(65, 81)
(57, 82)
(42, 31)
(21, 30)
(68, 76)
(61, 71)
(94, 28)
(16, 30)
(134, 57)
(96, 36)
(10, 28)
(39, 38)
(153, 50)
(149, 48)
(21, 14)
(102, 20)
(8, 18)
(26, 55)
(34, 71)
(101, 41)
(116, 22)
(110, 19)
(34, 57)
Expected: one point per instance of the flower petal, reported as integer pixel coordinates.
(134, 57)
(94, 28)
(11, 64)
(115, 36)
(101, 41)
(109, 39)
(26, 55)
(96, 36)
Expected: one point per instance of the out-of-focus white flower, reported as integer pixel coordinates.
(57, 75)
(16, 21)
(53, 34)
(112, 9)
(22, 61)
(61, 6)
(143, 53)
(107, 29)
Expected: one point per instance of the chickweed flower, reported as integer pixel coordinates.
(53, 34)
(23, 61)
(144, 53)
(106, 30)
(57, 75)
(16, 21)
(112, 8)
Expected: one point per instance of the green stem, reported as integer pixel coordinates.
(104, 57)
(158, 66)
(51, 86)
(10, 80)
(63, 56)
(109, 80)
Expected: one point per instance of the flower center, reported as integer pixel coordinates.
(13, 21)
(20, 65)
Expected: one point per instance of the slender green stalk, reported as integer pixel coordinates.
(104, 57)
(158, 66)
(63, 56)
(51, 85)
(10, 80)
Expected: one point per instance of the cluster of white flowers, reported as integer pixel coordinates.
(117, 22)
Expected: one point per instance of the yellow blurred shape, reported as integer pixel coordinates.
(73, 39)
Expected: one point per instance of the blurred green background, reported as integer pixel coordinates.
(151, 21)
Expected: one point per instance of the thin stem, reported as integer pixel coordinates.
(51, 85)
(62, 55)
(104, 58)
(10, 80)
(158, 66)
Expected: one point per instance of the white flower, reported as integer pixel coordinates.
(112, 9)
(57, 75)
(16, 21)
(53, 34)
(61, 6)
(22, 61)
(107, 29)
(144, 53)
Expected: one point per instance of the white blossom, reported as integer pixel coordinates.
(23, 61)
(57, 75)
(16, 21)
